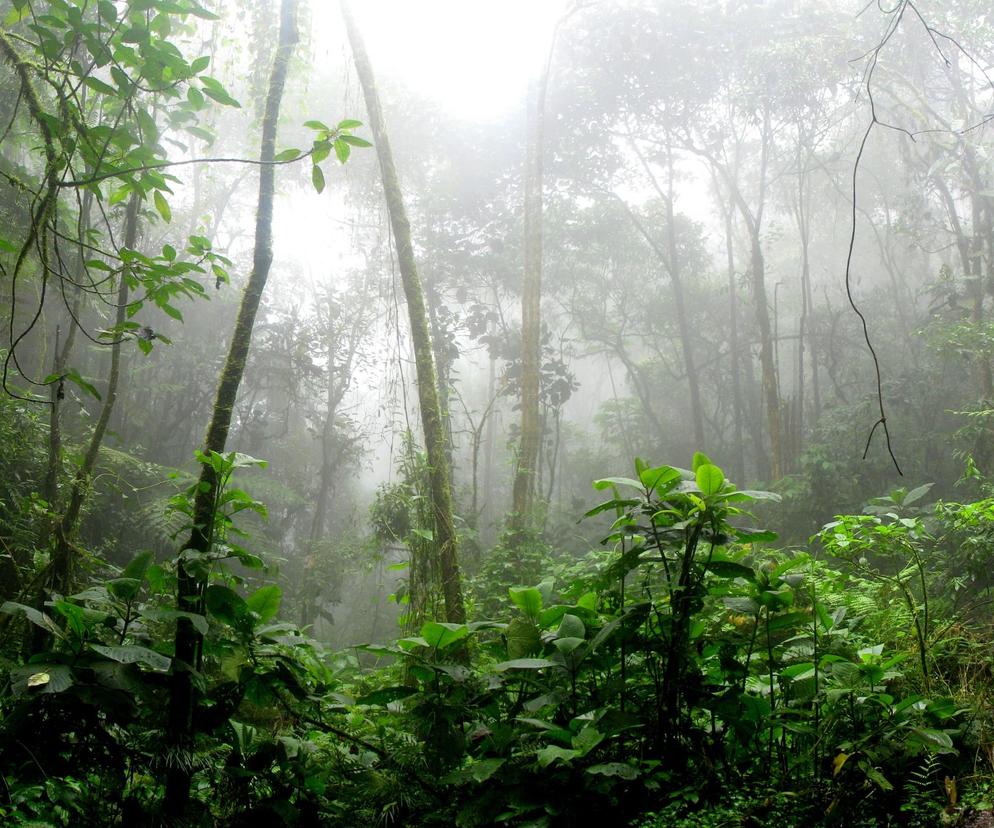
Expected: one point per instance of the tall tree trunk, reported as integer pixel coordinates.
(62, 565)
(190, 585)
(524, 487)
(738, 409)
(767, 362)
(63, 352)
(670, 258)
(431, 414)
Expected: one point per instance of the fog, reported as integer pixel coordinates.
(724, 188)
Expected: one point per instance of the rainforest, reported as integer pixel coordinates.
(468, 413)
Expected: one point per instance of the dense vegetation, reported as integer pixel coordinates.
(296, 445)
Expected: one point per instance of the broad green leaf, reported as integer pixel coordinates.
(700, 459)
(138, 566)
(132, 654)
(731, 569)
(609, 482)
(571, 627)
(935, 741)
(916, 494)
(46, 678)
(226, 605)
(527, 599)
(659, 478)
(287, 155)
(36, 617)
(523, 638)
(553, 753)
(709, 478)
(265, 602)
(164, 615)
(385, 695)
(619, 769)
(755, 536)
(524, 664)
(441, 635)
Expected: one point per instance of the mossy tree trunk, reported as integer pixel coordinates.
(191, 586)
(525, 483)
(433, 424)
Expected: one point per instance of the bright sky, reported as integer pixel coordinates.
(473, 56)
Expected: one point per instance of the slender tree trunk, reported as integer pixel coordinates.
(524, 487)
(767, 362)
(63, 352)
(431, 414)
(190, 585)
(62, 559)
(670, 257)
(738, 409)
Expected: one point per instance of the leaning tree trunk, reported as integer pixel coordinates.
(431, 414)
(190, 584)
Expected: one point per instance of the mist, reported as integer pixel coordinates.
(326, 323)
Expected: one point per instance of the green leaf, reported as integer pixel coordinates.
(265, 602)
(342, 150)
(523, 638)
(74, 377)
(318, 125)
(611, 482)
(524, 664)
(660, 477)
(385, 695)
(700, 459)
(618, 769)
(7, 247)
(199, 64)
(163, 615)
(731, 569)
(132, 654)
(317, 178)
(162, 206)
(287, 155)
(36, 617)
(354, 140)
(124, 589)
(571, 627)
(213, 89)
(440, 635)
(754, 535)
(935, 741)
(709, 478)
(916, 494)
(226, 605)
(47, 678)
(98, 85)
(527, 599)
(349, 123)
(553, 753)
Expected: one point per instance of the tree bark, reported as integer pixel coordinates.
(431, 414)
(524, 486)
(60, 577)
(190, 586)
